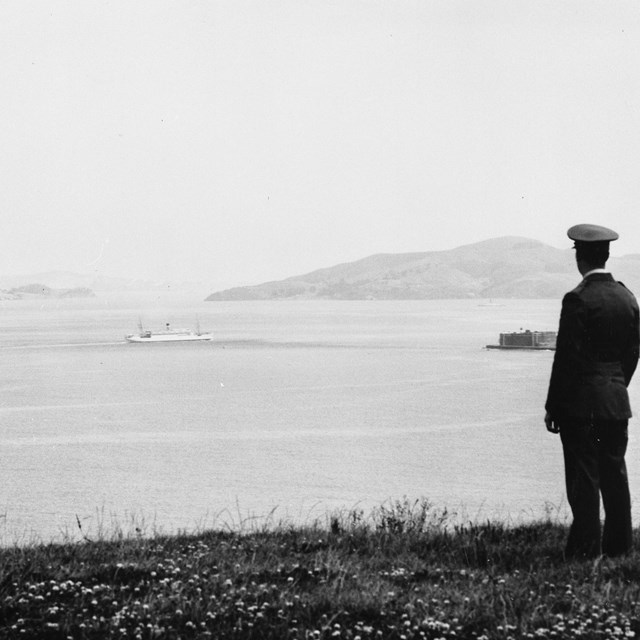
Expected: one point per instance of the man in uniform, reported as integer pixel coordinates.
(588, 404)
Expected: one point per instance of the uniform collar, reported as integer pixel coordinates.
(594, 271)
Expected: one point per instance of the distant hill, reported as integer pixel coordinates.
(508, 267)
(71, 280)
(42, 290)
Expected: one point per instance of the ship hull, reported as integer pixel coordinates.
(185, 337)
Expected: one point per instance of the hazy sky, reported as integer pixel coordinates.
(240, 141)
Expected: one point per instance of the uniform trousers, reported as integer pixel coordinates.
(594, 464)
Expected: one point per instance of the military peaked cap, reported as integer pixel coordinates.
(591, 233)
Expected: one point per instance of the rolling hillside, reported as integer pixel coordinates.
(508, 267)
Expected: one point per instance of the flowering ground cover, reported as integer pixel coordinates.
(403, 572)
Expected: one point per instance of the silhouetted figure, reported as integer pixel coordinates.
(588, 404)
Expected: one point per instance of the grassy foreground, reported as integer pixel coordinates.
(402, 572)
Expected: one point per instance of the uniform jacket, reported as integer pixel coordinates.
(596, 351)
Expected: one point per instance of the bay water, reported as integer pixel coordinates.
(295, 410)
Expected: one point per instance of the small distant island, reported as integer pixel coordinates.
(36, 290)
(508, 267)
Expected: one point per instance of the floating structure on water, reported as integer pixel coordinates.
(167, 335)
(538, 340)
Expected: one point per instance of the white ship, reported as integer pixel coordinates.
(167, 335)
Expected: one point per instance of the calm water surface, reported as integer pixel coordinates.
(295, 409)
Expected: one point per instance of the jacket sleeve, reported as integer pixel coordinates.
(569, 354)
(630, 354)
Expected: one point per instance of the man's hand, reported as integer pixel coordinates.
(552, 425)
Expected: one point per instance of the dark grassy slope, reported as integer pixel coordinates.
(404, 573)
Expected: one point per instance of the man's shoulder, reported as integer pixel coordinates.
(624, 286)
(627, 293)
(600, 287)
(622, 289)
(576, 291)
